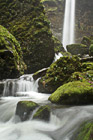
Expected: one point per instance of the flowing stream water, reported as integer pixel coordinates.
(63, 120)
(69, 23)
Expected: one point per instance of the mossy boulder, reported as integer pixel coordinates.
(27, 21)
(91, 50)
(73, 93)
(24, 109)
(58, 73)
(43, 113)
(11, 61)
(85, 132)
(76, 49)
(58, 46)
(86, 41)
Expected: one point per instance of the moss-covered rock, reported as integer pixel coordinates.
(58, 46)
(91, 50)
(85, 132)
(76, 49)
(73, 93)
(58, 73)
(86, 41)
(26, 20)
(24, 109)
(11, 62)
(43, 113)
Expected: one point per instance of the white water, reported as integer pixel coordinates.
(63, 120)
(69, 23)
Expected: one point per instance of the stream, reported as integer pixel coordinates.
(64, 120)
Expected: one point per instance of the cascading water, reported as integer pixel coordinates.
(63, 120)
(69, 23)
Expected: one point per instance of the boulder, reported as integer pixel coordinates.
(43, 113)
(86, 41)
(24, 109)
(76, 49)
(73, 93)
(58, 73)
(11, 61)
(27, 21)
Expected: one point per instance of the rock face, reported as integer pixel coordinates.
(26, 20)
(24, 109)
(73, 93)
(43, 113)
(58, 73)
(84, 17)
(11, 62)
(76, 49)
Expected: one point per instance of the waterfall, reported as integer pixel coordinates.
(69, 23)
(24, 84)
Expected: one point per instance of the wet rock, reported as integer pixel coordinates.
(43, 113)
(24, 109)
(1, 88)
(76, 49)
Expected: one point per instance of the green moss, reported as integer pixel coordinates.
(91, 50)
(85, 132)
(59, 72)
(87, 66)
(77, 92)
(11, 59)
(42, 113)
(28, 104)
(31, 28)
(76, 49)
(84, 76)
(86, 41)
